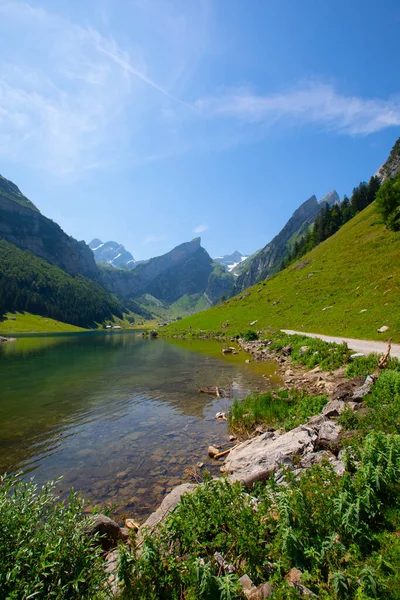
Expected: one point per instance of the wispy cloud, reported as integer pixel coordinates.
(153, 239)
(310, 103)
(200, 228)
(58, 107)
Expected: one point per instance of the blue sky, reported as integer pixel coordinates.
(152, 121)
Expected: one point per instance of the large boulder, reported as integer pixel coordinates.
(108, 531)
(329, 435)
(256, 459)
(170, 502)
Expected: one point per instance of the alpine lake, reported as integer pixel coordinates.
(117, 415)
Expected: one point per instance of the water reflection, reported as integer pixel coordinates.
(119, 416)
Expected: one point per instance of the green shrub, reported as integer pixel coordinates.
(286, 408)
(312, 351)
(366, 365)
(335, 529)
(44, 549)
(250, 335)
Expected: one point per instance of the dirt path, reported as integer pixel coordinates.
(364, 346)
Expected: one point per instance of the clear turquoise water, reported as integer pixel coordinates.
(118, 416)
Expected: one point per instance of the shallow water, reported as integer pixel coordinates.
(118, 416)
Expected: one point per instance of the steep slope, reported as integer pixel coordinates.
(9, 190)
(348, 285)
(25, 227)
(186, 270)
(230, 261)
(267, 261)
(29, 283)
(113, 254)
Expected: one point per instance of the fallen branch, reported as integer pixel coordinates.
(384, 359)
(213, 391)
(225, 452)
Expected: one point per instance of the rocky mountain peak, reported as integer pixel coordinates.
(112, 253)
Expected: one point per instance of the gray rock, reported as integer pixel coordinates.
(246, 583)
(364, 389)
(167, 505)
(303, 350)
(314, 458)
(356, 355)
(329, 435)
(333, 408)
(111, 567)
(108, 530)
(256, 459)
(316, 422)
(302, 589)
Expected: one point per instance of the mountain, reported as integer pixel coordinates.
(267, 261)
(10, 191)
(186, 270)
(29, 283)
(348, 286)
(113, 254)
(230, 261)
(24, 226)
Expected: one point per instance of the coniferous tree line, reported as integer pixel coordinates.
(30, 284)
(331, 219)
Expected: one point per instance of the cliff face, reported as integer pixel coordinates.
(392, 166)
(28, 229)
(267, 261)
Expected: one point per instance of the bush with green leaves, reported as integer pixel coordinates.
(339, 531)
(311, 352)
(367, 365)
(382, 407)
(250, 335)
(284, 408)
(45, 551)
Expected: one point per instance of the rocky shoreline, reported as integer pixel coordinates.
(268, 453)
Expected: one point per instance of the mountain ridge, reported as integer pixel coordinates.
(267, 261)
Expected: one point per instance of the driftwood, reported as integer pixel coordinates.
(214, 390)
(213, 454)
(384, 359)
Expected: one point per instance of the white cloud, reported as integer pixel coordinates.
(152, 239)
(60, 98)
(311, 103)
(200, 228)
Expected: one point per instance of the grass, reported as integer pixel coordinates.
(286, 408)
(28, 323)
(355, 270)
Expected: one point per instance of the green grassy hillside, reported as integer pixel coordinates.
(27, 323)
(357, 269)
